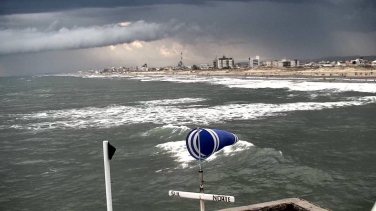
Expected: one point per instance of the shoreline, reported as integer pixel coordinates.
(334, 73)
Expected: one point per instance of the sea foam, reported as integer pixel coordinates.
(172, 130)
(117, 115)
(172, 101)
(275, 83)
(293, 84)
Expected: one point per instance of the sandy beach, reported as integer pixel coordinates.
(325, 73)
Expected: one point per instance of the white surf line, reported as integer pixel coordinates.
(262, 83)
(113, 116)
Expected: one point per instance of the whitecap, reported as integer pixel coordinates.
(296, 85)
(174, 130)
(172, 101)
(261, 83)
(116, 115)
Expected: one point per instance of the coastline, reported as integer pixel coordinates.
(320, 73)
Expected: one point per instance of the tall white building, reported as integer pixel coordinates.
(288, 63)
(224, 63)
(294, 63)
(272, 63)
(254, 62)
(284, 63)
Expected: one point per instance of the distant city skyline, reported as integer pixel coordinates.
(55, 36)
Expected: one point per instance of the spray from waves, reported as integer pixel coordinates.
(78, 75)
(106, 76)
(175, 78)
(172, 101)
(295, 85)
(249, 82)
(161, 131)
(178, 150)
(254, 83)
(113, 116)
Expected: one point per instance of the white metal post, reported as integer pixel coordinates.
(201, 180)
(107, 175)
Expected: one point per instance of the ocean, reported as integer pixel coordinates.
(304, 138)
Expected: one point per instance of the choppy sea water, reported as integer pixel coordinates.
(299, 138)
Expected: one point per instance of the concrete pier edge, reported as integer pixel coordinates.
(289, 204)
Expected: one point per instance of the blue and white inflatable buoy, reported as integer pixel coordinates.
(211, 141)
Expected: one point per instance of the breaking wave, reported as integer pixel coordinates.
(158, 113)
(167, 131)
(172, 101)
(255, 83)
(299, 85)
(293, 84)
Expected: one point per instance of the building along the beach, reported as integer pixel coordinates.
(144, 67)
(358, 62)
(294, 63)
(223, 63)
(288, 63)
(284, 63)
(341, 64)
(271, 63)
(254, 62)
(373, 64)
(204, 66)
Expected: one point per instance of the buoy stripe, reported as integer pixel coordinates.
(215, 139)
(194, 150)
(211, 132)
(216, 135)
(236, 138)
(193, 153)
(196, 145)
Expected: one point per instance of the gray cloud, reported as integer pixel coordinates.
(38, 6)
(273, 29)
(33, 40)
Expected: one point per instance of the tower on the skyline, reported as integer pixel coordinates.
(180, 64)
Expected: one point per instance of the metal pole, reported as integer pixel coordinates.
(200, 172)
(201, 180)
(107, 175)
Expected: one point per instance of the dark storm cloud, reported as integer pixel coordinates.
(32, 40)
(275, 25)
(352, 15)
(273, 29)
(37, 6)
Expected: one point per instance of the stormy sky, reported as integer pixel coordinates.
(38, 36)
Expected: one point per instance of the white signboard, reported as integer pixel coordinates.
(201, 196)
